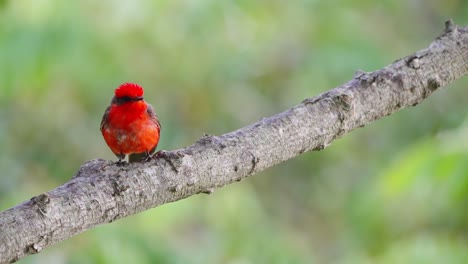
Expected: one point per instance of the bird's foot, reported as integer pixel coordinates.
(120, 162)
(147, 158)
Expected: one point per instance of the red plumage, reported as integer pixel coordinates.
(129, 89)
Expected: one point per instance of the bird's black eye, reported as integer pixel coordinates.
(126, 99)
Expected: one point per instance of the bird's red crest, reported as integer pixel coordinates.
(129, 90)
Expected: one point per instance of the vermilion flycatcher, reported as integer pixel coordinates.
(130, 125)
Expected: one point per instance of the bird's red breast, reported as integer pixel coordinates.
(129, 124)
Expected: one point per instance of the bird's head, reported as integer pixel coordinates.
(128, 92)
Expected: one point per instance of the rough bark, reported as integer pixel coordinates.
(102, 192)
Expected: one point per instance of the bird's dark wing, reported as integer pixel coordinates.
(153, 117)
(104, 117)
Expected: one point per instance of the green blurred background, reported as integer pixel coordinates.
(395, 191)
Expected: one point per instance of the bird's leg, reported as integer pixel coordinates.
(121, 160)
(147, 156)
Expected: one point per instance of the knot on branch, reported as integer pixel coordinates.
(343, 102)
(211, 141)
(254, 161)
(207, 191)
(179, 186)
(433, 84)
(33, 248)
(42, 202)
(174, 188)
(118, 187)
(450, 26)
(364, 77)
(92, 167)
(321, 146)
(37, 247)
(173, 158)
(413, 62)
(359, 73)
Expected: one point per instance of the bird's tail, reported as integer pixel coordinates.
(137, 157)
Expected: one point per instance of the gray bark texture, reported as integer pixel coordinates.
(102, 192)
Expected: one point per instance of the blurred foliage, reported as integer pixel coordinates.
(393, 192)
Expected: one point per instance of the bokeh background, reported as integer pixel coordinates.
(395, 191)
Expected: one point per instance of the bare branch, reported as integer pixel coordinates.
(102, 192)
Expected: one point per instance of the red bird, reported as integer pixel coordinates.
(130, 125)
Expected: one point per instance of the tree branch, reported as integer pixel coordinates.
(102, 192)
